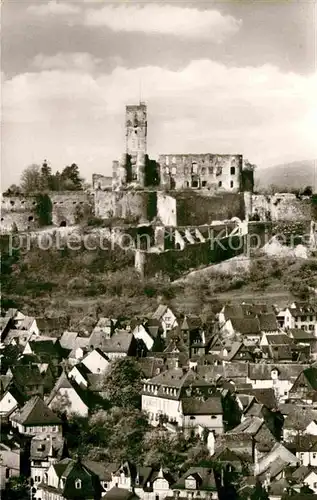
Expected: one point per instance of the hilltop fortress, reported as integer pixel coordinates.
(179, 195)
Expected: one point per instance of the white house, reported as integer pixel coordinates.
(69, 397)
(166, 317)
(279, 377)
(96, 361)
(11, 399)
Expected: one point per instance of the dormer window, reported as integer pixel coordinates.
(78, 484)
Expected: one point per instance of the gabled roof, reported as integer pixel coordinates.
(191, 322)
(63, 382)
(160, 311)
(268, 322)
(196, 406)
(203, 475)
(36, 412)
(299, 335)
(27, 322)
(16, 393)
(25, 375)
(68, 340)
(120, 342)
(46, 349)
(279, 339)
(246, 326)
(251, 426)
(287, 371)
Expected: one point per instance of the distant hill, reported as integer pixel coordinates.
(297, 175)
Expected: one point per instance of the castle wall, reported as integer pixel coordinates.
(193, 208)
(68, 206)
(126, 204)
(201, 171)
(166, 209)
(101, 181)
(176, 262)
(281, 206)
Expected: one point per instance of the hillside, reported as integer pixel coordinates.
(297, 174)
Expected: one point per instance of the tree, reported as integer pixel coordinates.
(118, 434)
(71, 179)
(17, 488)
(307, 191)
(13, 190)
(44, 208)
(46, 176)
(31, 179)
(123, 383)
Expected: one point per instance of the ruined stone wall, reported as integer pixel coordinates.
(281, 206)
(204, 171)
(18, 213)
(101, 182)
(176, 262)
(68, 208)
(139, 205)
(193, 208)
(166, 209)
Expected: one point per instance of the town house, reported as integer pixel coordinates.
(35, 417)
(44, 451)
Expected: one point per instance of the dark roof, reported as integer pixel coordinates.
(268, 322)
(25, 375)
(246, 326)
(279, 339)
(191, 323)
(36, 412)
(151, 366)
(119, 494)
(195, 406)
(287, 371)
(299, 335)
(120, 342)
(46, 349)
(204, 476)
(265, 396)
(311, 376)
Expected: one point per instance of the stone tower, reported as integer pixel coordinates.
(136, 137)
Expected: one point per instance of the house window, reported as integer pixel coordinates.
(220, 183)
(194, 168)
(314, 455)
(204, 183)
(231, 184)
(78, 484)
(232, 170)
(314, 485)
(7, 472)
(213, 416)
(211, 170)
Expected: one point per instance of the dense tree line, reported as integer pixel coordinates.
(39, 179)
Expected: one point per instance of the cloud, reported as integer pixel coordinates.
(72, 115)
(81, 61)
(172, 20)
(53, 8)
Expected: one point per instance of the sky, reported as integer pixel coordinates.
(217, 77)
